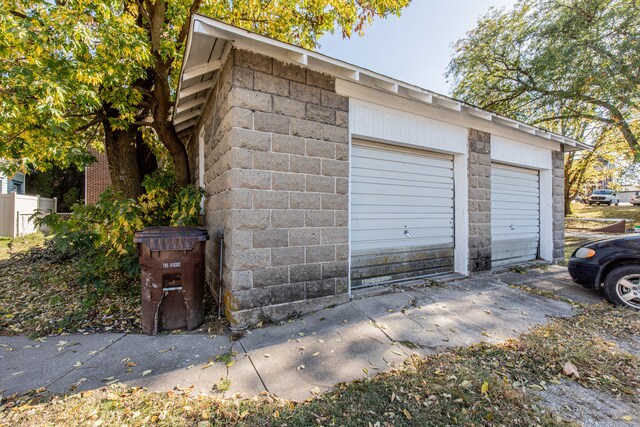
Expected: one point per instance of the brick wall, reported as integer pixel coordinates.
(479, 200)
(97, 178)
(558, 205)
(276, 172)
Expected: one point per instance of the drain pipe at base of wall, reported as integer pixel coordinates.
(220, 277)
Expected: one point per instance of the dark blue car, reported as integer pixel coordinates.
(613, 265)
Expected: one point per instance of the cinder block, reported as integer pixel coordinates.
(342, 252)
(250, 99)
(333, 100)
(321, 114)
(288, 181)
(249, 178)
(341, 218)
(289, 71)
(245, 300)
(271, 161)
(305, 128)
(304, 201)
(238, 279)
(247, 259)
(319, 218)
(287, 218)
(307, 165)
(342, 118)
(324, 81)
(342, 152)
(270, 199)
(305, 273)
(271, 84)
(243, 77)
(335, 201)
(321, 184)
(323, 149)
(323, 253)
(320, 288)
(270, 276)
(249, 139)
(287, 256)
(335, 168)
(288, 144)
(275, 123)
(335, 235)
(306, 93)
(287, 293)
(270, 238)
(253, 61)
(335, 269)
(342, 185)
(238, 239)
(289, 107)
(335, 134)
(304, 236)
(245, 219)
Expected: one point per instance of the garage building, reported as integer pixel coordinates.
(323, 177)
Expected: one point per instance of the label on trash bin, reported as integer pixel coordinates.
(171, 265)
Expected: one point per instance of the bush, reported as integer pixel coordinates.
(100, 237)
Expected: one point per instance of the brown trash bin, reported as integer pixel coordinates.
(172, 272)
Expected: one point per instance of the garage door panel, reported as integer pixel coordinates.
(515, 215)
(393, 190)
(427, 178)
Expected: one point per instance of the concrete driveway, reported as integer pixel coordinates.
(297, 359)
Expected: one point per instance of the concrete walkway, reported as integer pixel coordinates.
(299, 358)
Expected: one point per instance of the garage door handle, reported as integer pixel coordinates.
(512, 227)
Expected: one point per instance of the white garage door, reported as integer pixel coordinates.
(515, 215)
(401, 212)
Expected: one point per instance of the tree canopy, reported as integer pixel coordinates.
(550, 62)
(73, 72)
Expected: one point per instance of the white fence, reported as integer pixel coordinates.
(16, 211)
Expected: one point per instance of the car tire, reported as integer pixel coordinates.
(608, 203)
(622, 286)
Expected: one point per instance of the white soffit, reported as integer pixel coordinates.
(209, 41)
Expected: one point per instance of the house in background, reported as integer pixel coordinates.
(16, 183)
(324, 177)
(96, 178)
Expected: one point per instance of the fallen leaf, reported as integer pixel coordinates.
(147, 372)
(407, 414)
(570, 370)
(485, 388)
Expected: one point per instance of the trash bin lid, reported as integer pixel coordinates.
(171, 238)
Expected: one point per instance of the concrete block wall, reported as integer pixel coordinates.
(276, 171)
(479, 200)
(557, 163)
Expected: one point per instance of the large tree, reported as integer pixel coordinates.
(545, 62)
(76, 71)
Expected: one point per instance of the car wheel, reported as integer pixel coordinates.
(618, 202)
(622, 286)
(608, 203)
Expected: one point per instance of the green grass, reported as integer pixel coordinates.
(603, 211)
(479, 385)
(9, 246)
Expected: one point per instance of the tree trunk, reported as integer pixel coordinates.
(124, 168)
(147, 161)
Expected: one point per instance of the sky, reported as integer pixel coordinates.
(415, 47)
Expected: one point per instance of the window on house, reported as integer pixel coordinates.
(17, 187)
